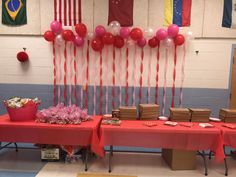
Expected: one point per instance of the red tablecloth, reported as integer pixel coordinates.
(134, 133)
(84, 134)
(228, 135)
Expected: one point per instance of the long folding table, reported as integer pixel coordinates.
(135, 133)
(84, 134)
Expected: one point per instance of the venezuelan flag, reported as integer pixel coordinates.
(177, 12)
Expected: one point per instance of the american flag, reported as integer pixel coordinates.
(67, 12)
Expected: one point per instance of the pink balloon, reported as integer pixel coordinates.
(142, 42)
(56, 27)
(124, 32)
(161, 34)
(78, 41)
(173, 30)
(168, 42)
(100, 31)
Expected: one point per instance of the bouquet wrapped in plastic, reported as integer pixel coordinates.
(61, 114)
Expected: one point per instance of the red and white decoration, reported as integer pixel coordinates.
(69, 48)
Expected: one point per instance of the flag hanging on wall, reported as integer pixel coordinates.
(67, 12)
(121, 11)
(229, 14)
(177, 12)
(14, 12)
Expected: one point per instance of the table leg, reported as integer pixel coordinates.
(204, 159)
(16, 147)
(86, 159)
(210, 154)
(111, 147)
(110, 156)
(226, 166)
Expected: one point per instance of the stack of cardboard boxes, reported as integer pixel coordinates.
(128, 113)
(179, 114)
(148, 111)
(228, 115)
(200, 114)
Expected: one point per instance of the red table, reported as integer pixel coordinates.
(228, 136)
(134, 133)
(84, 134)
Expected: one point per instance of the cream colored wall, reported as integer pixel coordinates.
(209, 69)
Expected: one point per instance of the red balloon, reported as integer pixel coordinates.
(22, 56)
(108, 38)
(68, 35)
(179, 39)
(49, 36)
(97, 44)
(153, 42)
(119, 42)
(136, 34)
(81, 29)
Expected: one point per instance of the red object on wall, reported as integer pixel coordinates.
(22, 56)
(121, 11)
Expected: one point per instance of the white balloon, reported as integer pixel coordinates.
(90, 35)
(114, 27)
(189, 35)
(59, 40)
(168, 42)
(114, 24)
(148, 33)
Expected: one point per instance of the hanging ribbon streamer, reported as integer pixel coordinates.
(65, 72)
(65, 13)
(75, 77)
(157, 74)
(174, 77)
(182, 78)
(96, 70)
(113, 77)
(59, 76)
(54, 74)
(69, 7)
(82, 77)
(164, 87)
(87, 75)
(60, 15)
(107, 78)
(141, 77)
(101, 82)
(149, 77)
(55, 9)
(120, 78)
(74, 11)
(134, 75)
(70, 72)
(127, 77)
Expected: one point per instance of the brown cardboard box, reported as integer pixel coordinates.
(200, 114)
(228, 115)
(180, 114)
(128, 113)
(148, 111)
(180, 159)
